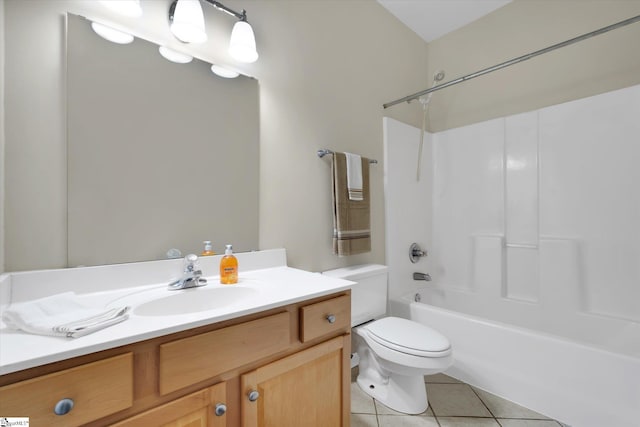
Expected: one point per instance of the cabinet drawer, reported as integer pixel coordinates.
(325, 317)
(187, 361)
(97, 389)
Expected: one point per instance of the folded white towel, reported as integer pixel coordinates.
(61, 315)
(354, 176)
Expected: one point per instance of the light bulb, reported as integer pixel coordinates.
(187, 23)
(242, 46)
(111, 34)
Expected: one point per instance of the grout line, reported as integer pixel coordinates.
(485, 405)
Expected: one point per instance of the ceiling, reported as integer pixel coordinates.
(431, 19)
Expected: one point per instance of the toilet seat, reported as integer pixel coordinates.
(409, 337)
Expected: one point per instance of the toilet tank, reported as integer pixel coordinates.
(369, 295)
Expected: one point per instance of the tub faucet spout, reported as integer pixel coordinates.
(422, 276)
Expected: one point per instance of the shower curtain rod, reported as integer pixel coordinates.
(514, 61)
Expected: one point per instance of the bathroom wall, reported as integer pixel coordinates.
(599, 64)
(534, 218)
(2, 165)
(325, 69)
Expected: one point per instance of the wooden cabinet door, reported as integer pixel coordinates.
(199, 409)
(309, 388)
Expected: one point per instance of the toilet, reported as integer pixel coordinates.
(394, 353)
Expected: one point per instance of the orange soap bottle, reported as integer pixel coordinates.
(228, 267)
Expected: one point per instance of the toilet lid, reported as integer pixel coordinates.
(408, 336)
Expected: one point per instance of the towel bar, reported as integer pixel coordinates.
(323, 152)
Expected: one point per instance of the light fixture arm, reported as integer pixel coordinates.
(240, 15)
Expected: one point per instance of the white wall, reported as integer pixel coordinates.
(535, 219)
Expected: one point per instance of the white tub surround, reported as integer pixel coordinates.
(530, 221)
(269, 282)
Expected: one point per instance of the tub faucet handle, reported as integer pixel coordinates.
(416, 252)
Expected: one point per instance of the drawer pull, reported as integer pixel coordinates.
(221, 409)
(63, 407)
(253, 395)
(331, 318)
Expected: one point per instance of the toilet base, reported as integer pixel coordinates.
(402, 393)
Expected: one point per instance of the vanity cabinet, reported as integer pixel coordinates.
(204, 408)
(287, 366)
(303, 389)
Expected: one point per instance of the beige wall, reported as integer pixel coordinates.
(325, 69)
(599, 64)
(2, 165)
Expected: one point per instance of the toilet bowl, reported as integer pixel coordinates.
(394, 353)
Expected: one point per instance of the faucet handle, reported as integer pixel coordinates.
(190, 262)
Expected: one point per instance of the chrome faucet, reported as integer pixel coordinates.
(422, 276)
(191, 276)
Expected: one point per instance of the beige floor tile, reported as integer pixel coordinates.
(364, 420)
(455, 400)
(406, 421)
(440, 378)
(502, 408)
(528, 423)
(384, 410)
(361, 402)
(467, 422)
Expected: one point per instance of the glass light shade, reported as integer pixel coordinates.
(242, 46)
(188, 22)
(111, 34)
(124, 7)
(175, 56)
(224, 72)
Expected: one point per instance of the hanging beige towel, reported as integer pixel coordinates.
(351, 218)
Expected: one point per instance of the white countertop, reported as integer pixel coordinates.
(270, 288)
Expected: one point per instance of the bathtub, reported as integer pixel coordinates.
(577, 384)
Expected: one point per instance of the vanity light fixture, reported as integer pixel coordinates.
(224, 72)
(242, 46)
(187, 21)
(175, 56)
(111, 34)
(124, 7)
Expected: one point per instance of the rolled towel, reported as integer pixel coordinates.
(61, 315)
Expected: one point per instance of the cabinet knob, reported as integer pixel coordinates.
(253, 395)
(331, 318)
(63, 407)
(221, 409)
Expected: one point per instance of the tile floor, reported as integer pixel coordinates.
(451, 404)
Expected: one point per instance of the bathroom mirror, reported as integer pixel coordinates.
(160, 155)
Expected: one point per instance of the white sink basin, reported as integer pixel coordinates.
(194, 300)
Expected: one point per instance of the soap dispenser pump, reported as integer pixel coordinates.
(228, 267)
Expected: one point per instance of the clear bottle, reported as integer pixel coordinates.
(228, 267)
(208, 249)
